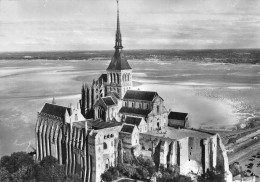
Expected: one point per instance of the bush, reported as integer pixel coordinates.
(19, 167)
(127, 158)
(171, 174)
(147, 164)
(111, 174)
(4, 175)
(107, 176)
(235, 169)
(14, 162)
(50, 170)
(212, 176)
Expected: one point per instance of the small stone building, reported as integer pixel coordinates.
(129, 135)
(138, 121)
(178, 120)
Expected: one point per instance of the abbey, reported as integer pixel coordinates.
(113, 118)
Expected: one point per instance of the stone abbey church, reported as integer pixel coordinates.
(112, 117)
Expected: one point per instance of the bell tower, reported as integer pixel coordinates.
(119, 72)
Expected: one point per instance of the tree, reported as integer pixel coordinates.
(14, 162)
(235, 169)
(74, 178)
(143, 172)
(127, 158)
(49, 161)
(21, 174)
(19, 166)
(120, 153)
(212, 176)
(171, 174)
(107, 176)
(50, 170)
(4, 175)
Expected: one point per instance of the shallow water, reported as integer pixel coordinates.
(214, 95)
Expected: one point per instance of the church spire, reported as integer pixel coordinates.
(118, 43)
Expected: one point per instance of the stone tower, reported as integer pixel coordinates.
(119, 72)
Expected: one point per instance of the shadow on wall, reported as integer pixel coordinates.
(156, 155)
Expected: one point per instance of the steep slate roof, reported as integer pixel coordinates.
(133, 120)
(118, 62)
(177, 115)
(103, 77)
(128, 128)
(115, 94)
(108, 101)
(55, 110)
(140, 95)
(80, 124)
(134, 111)
(102, 124)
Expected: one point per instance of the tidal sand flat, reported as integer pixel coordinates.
(214, 95)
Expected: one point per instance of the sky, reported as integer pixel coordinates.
(54, 25)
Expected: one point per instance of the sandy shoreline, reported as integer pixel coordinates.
(186, 87)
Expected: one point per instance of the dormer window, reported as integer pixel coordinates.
(104, 145)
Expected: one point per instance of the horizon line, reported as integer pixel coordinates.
(152, 49)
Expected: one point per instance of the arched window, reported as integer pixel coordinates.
(107, 163)
(117, 78)
(111, 76)
(114, 78)
(104, 145)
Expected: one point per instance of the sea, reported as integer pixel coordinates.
(219, 89)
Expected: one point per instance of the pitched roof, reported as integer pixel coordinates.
(177, 115)
(128, 128)
(108, 101)
(118, 62)
(55, 110)
(140, 95)
(133, 120)
(134, 111)
(103, 77)
(79, 124)
(114, 96)
(101, 124)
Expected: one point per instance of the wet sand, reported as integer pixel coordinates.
(214, 95)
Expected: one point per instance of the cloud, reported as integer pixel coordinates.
(173, 24)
